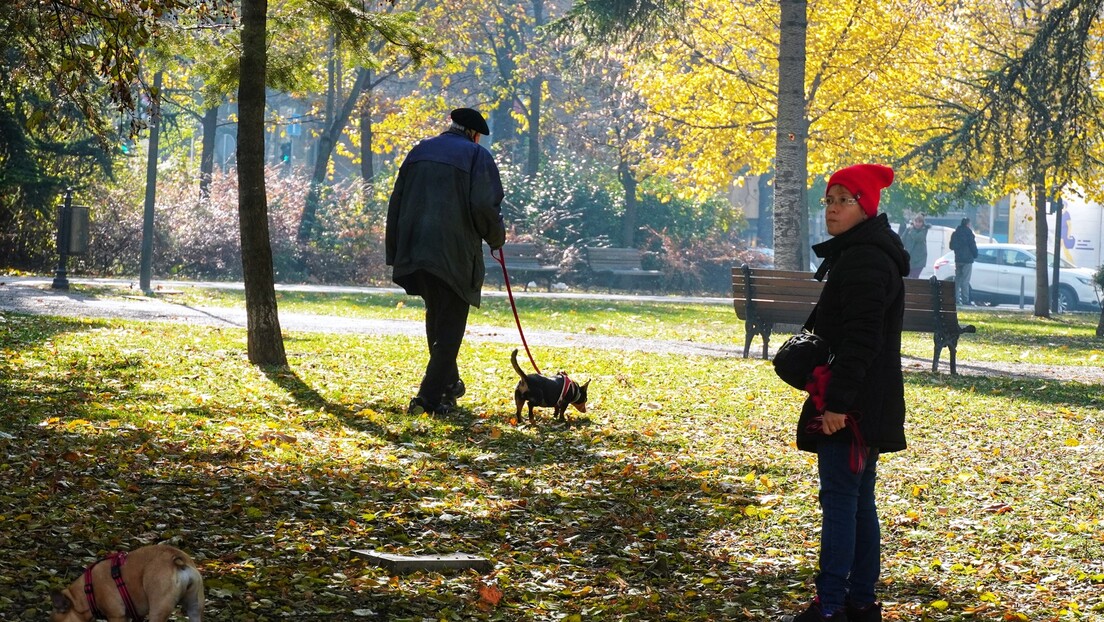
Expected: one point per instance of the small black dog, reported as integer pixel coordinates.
(542, 391)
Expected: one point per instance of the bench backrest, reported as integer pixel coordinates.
(519, 255)
(613, 258)
(781, 296)
(921, 308)
(788, 297)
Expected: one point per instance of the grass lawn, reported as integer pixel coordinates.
(679, 496)
(1003, 336)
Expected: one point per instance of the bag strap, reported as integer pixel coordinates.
(808, 326)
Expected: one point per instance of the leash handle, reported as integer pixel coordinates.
(500, 257)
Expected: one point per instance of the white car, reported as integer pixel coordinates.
(1001, 269)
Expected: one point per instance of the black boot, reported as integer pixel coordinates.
(869, 613)
(814, 614)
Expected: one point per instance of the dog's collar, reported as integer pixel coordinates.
(568, 384)
(117, 561)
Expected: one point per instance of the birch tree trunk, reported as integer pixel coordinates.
(791, 229)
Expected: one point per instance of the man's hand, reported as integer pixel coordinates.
(832, 422)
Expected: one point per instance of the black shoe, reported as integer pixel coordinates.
(419, 406)
(814, 614)
(869, 613)
(456, 390)
(447, 407)
(416, 407)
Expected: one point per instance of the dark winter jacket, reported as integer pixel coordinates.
(916, 245)
(445, 204)
(964, 245)
(860, 313)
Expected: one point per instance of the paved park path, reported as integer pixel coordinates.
(33, 295)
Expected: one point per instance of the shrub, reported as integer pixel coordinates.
(198, 239)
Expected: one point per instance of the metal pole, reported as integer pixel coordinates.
(61, 280)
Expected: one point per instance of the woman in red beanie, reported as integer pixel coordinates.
(858, 411)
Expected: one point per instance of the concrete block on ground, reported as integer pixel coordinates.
(402, 564)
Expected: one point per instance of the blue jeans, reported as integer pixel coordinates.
(850, 537)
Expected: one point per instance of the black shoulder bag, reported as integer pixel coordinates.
(801, 354)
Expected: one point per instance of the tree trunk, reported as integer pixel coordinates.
(791, 229)
(764, 227)
(145, 267)
(1100, 323)
(504, 130)
(532, 165)
(331, 75)
(207, 154)
(1042, 279)
(324, 152)
(536, 84)
(1056, 269)
(367, 171)
(628, 221)
(265, 343)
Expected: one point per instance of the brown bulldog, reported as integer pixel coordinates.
(146, 583)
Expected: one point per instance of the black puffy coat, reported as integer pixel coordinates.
(445, 204)
(964, 244)
(860, 314)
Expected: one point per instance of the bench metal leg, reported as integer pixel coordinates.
(951, 343)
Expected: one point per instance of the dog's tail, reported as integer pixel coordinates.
(517, 368)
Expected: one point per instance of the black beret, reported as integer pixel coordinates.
(470, 119)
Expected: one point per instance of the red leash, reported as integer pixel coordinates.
(501, 259)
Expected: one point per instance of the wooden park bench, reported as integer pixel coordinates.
(616, 266)
(765, 298)
(523, 262)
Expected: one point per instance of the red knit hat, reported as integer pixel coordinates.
(865, 181)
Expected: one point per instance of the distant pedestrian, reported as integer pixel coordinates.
(915, 239)
(445, 204)
(965, 250)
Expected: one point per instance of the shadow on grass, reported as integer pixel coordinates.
(301, 392)
(1046, 392)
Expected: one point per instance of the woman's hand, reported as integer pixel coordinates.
(832, 422)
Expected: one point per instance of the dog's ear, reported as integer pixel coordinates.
(61, 601)
(586, 384)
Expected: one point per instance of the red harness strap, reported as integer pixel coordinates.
(567, 387)
(117, 561)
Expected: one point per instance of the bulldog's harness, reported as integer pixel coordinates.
(117, 561)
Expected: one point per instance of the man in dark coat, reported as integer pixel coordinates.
(964, 245)
(856, 407)
(445, 204)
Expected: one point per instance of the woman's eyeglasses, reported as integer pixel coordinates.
(830, 201)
